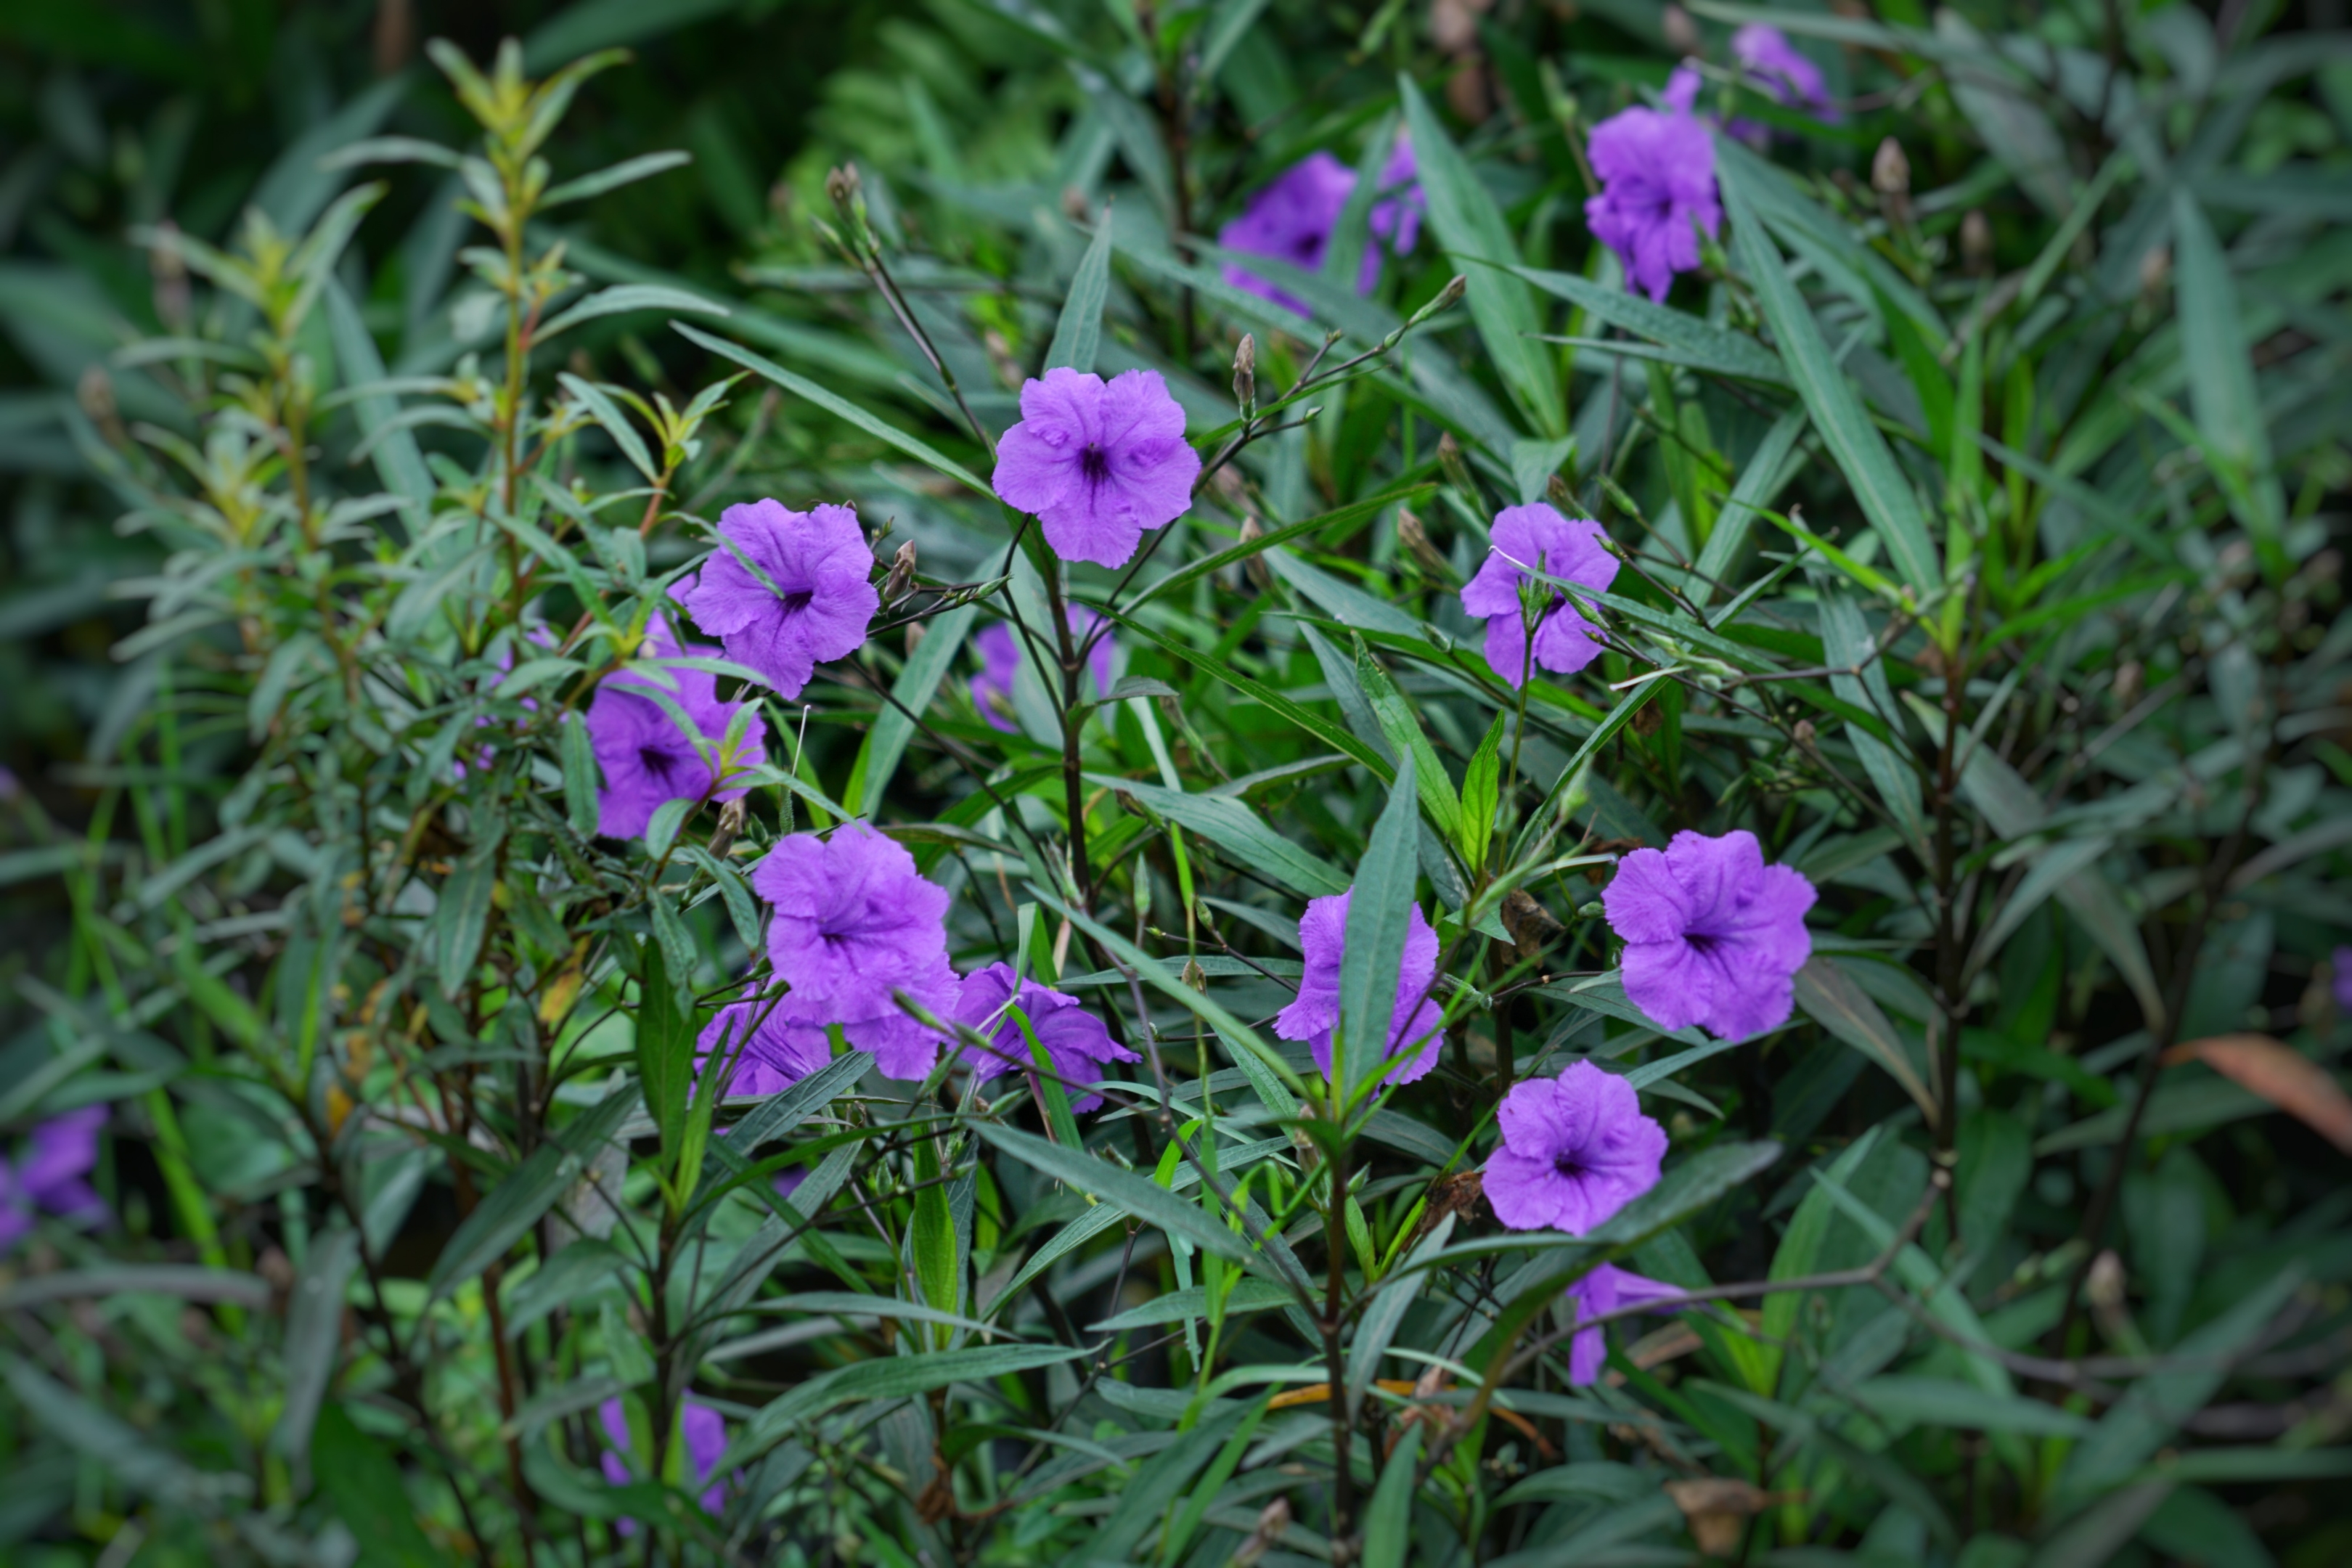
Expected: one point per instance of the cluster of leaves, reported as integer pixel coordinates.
(1979, 558)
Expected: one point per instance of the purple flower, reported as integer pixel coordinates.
(816, 605)
(1416, 1021)
(772, 1052)
(1099, 462)
(1657, 178)
(1000, 661)
(1776, 66)
(1575, 1149)
(1075, 1039)
(1293, 220)
(1712, 935)
(646, 757)
(10, 785)
(705, 1431)
(1606, 1289)
(64, 1150)
(1536, 537)
(853, 922)
(2341, 963)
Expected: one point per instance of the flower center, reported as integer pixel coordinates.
(1568, 1163)
(798, 600)
(1700, 942)
(1093, 463)
(658, 760)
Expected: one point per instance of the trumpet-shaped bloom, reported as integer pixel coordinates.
(817, 602)
(1536, 537)
(772, 1052)
(1415, 1035)
(1098, 462)
(1606, 1289)
(1657, 169)
(1778, 67)
(1575, 1149)
(1074, 1040)
(1712, 935)
(1294, 218)
(1000, 662)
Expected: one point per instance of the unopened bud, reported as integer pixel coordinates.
(2155, 271)
(2127, 682)
(1805, 732)
(1193, 976)
(1681, 32)
(1890, 171)
(1592, 910)
(95, 392)
(1447, 298)
(1245, 374)
(1456, 471)
(731, 817)
(915, 632)
(1976, 241)
(2105, 1284)
(1414, 537)
(1255, 567)
(1562, 499)
(842, 186)
(1272, 1524)
(1075, 207)
(902, 574)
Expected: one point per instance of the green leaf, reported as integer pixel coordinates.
(1388, 1522)
(801, 386)
(1854, 443)
(626, 172)
(1829, 996)
(600, 407)
(1760, 483)
(918, 683)
(665, 1046)
(892, 1377)
(933, 1233)
(624, 298)
(1406, 738)
(460, 916)
(1946, 1405)
(529, 1190)
(582, 776)
(1482, 786)
(364, 1485)
(1232, 825)
(314, 1329)
(1275, 703)
(1379, 918)
(1470, 228)
(1137, 1196)
(1078, 333)
(1700, 343)
(2221, 394)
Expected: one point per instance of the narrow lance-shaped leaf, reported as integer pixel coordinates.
(1379, 918)
(1078, 333)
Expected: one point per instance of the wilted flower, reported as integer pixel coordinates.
(647, 757)
(1606, 1289)
(1712, 935)
(1098, 462)
(1293, 220)
(1416, 1021)
(853, 924)
(1075, 1039)
(1000, 662)
(817, 600)
(63, 1151)
(1575, 1149)
(705, 1431)
(1657, 179)
(1536, 537)
(1778, 67)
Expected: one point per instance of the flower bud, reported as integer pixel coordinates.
(1976, 241)
(842, 185)
(1272, 1524)
(1805, 733)
(1681, 32)
(1075, 207)
(2155, 271)
(1456, 471)
(902, 574)
(915, 632)
(1414, 537)
(1245, 374)
(1890, 171)
(1255, 567)
(1193, 976)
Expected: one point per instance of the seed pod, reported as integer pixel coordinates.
(1682, 33)
(1976, 241)
(902, 574)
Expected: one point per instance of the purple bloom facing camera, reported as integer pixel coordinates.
(1575, 1149)
(644, 755)
(1536, 537)
(1000, 662)
(1657, 180)
(1293, 220)
(1075, 1039)
(853, 922)
(62, 1151)
(1712, 935)
(816, 605)
(1098, 462)
(1416, 1022)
